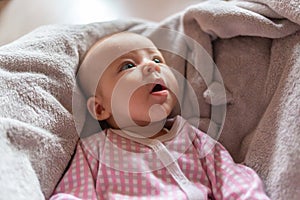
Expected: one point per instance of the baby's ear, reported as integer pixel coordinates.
(94, 105)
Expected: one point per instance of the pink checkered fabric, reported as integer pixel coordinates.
(98, 172)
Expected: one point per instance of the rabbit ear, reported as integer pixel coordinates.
(216, 94)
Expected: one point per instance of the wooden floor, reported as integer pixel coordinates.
(18, 17)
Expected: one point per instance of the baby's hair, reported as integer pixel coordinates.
(94, 45)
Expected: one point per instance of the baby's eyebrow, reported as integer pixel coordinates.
(152, 50)
(128, 55)
(132, 54)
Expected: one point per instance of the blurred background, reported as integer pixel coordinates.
(18, 17)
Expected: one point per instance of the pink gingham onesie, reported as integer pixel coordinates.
(183, 164)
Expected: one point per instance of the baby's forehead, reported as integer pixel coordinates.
(104, 52)
(122, 43)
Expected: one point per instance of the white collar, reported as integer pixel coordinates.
(172, 133)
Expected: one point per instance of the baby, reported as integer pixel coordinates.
(138, 156)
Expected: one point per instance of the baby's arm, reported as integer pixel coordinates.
(79, 180)
(228, 179)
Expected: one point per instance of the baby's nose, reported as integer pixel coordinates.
(150, 68)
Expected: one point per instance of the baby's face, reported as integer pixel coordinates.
(137, 84)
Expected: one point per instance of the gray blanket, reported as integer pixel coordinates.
(255, 46)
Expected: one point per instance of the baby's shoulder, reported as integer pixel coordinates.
(92, 143)
(96, 137)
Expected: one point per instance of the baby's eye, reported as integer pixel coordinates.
(157, 60)
(126, 66)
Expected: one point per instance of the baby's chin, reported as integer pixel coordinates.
(149, 122)
(157, 114)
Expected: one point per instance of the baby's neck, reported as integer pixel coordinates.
(152, 130)
(160, 133)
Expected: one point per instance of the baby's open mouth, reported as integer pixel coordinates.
(158, 88)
